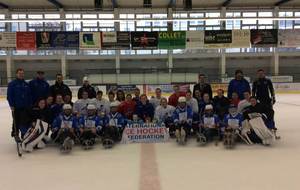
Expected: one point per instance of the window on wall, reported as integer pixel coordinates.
(180, 25)
(159, 25)
(73, 25)
(233, 24)
(35, 25)
(265, 24)
(143, 25)
(18, 26)
(127, 25)
(297, 22)
(2, 24)
(196, 24)
(106, 26)
(249, 23)
(212, 24)
(286, 24)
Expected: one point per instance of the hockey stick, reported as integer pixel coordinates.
(16, 136)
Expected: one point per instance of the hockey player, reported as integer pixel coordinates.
(137, 93)
(210, 124)
(206, 101)
(56, 108)
(113, 131)
(221, 104)
(203, 87)
(101, 103)
(144, 109)
(49, 101)
(88, 127)
(183, 117)
(235, 100)
(244, 103)
(232, 126)
(260, 121)
(68, 100)
(164, 113)
(120, 96)
(127, 107)
(155, 101)
(111, 98)
(65, 128)
(80, 106)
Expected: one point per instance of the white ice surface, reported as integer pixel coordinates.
(191, 167)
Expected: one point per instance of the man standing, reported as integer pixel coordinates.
(202, 87)
(155, 101)
(39, 87)
(20, 101)
(59, 87)
(87, 88)
(238, 85)
(263, 89)
(173, 99)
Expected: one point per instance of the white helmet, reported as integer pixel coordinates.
(67, 107)
(91, 107)
(209, 107)
(181, 99)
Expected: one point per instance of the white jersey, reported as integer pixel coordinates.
(80, 106)
(155, 102)
(102, 105)
(193, 103)
(162, 113)
(242, 105)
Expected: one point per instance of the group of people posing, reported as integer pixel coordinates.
(184, 113)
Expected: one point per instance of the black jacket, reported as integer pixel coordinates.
(259, 108)
(203, 88)
(61, 89)
(263, 90)
(221, 105)
(89, 89)
(44, 115)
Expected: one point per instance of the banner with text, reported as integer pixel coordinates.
(115, 40)
(145, 133)
(240, 39)
(144, 40)
(7, 39)
(65, 39)
(194, 39)
(90, 40)
(127, 89)
(26, 41)
(289, 38)
(217, 38)
(43, 40)
(171, 40)
(264, 38)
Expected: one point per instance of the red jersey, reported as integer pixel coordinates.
(173, 99)
(127, 108)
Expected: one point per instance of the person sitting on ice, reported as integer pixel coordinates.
(235, 100)
(205, 101)
(183, 118)
(258, 119)
(57, 108)
(35, 137)
(210, 124)
(65, 128)
(88, 126)
(155, 101)
(244, 103)
(127, 107)
(144, 109)
(221, 104)
(114, 129)
(232, 126)
(80, 106)
(164, 113)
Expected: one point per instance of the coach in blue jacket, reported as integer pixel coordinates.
(20, 101)
(238, 85)
(39, 87)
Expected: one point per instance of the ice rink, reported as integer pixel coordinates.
(159, 166)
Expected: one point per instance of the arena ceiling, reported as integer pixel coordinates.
(109, 4)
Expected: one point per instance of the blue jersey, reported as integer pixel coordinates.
(183, 114)
(19, 94)
(39, 89)
(233, 121)
(63, 121)
(210, 120)
(116, 120)
(89, 121)
(103, 121)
